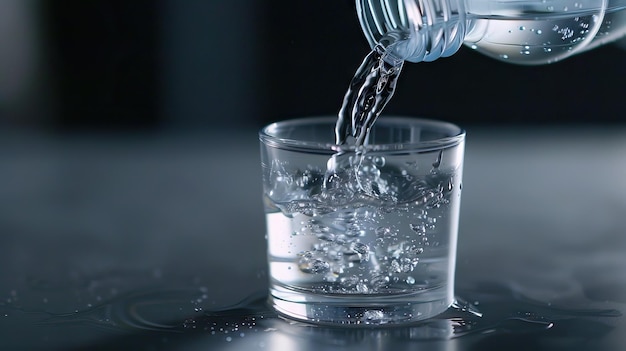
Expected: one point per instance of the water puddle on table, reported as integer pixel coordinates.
(179, 314)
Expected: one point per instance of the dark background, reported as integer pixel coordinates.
(193, 64)
(85, 215)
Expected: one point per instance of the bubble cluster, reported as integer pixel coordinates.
(354, 253)
(365, 225)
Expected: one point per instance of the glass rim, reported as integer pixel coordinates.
(268, 138)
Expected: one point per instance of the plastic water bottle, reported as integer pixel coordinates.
(528, 32)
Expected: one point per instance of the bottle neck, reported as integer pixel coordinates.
(414, 30)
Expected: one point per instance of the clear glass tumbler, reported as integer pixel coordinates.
(362, 236)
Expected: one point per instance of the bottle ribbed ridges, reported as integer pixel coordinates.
(419, 30)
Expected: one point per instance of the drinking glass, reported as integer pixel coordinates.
(362, 235)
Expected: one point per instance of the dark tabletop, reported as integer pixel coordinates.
(156, 242)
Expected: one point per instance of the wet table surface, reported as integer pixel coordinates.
(156, 242)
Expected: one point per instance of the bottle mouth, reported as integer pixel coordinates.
(411, 30)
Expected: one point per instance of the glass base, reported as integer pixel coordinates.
(359, 310)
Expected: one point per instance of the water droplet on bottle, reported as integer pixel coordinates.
(410, 280)
(522, 28)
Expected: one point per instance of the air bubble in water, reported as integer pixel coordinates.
(379, 281)
(349, 281)
(420, 229)
(379, 161)
(384, 232)
(362, 288)
(395, 267)
(354, 230)
(308, 264)
(368, 171)
(395, 250)
(330, 237)
(414, 250)
(360, 249)
(318, 228)
(306, 179)
(373, 316)
(410, 280)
